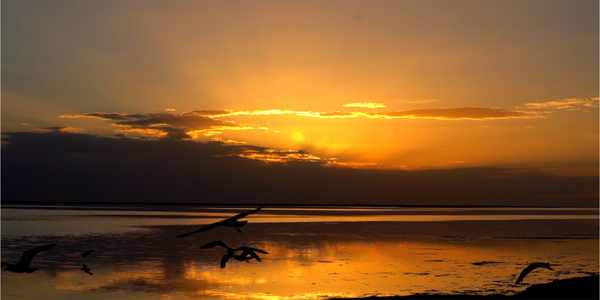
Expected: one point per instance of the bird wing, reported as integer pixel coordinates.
(524, 273)
(258, 250)
(204, 228)
(239, 216)
(28, 255)
(226, 221)
(248, 251)
(87, 252)
(224, 260)
(214, 244)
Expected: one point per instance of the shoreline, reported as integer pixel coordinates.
(587, 287)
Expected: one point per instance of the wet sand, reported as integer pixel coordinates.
(572, 288)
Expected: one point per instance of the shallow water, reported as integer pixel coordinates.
(313, 252)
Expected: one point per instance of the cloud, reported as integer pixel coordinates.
(194, 123)
(79, 167)
(470, 113)
(104, 116)
(365, 104)
(566, 104)
(473, 113)
(162, 125)
(208, 112)
(60, 129)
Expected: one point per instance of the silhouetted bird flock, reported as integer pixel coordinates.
(242, 253)
(22, 266)
(247, 252)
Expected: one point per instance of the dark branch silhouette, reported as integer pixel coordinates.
(23, 265)
(530, 268)
(231, 222)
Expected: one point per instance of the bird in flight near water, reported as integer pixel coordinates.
(86, 269)
(248, 253)
(86, 252)
(531, 267)
(23, 265)
(230, 222)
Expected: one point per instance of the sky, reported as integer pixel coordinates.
(385, 85)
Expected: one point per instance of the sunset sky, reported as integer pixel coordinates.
(408, 85)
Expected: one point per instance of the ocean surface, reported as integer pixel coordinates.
(313, 252)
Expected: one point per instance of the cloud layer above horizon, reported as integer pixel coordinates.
(250, 127)
(188, 124)
(68, 167)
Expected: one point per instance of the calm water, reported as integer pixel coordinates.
(314, 252)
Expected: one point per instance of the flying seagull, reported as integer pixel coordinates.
(530, 268)
(86, 252)
(23, 265)
(248, 253)
(231, 222)
(86, 269)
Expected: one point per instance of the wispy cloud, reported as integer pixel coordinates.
(161, 125)
(282, 156)
(472, 113)
(365, 104)
(566, 104)
(60, 129)
(195, 123)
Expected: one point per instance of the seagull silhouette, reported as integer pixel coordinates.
(23, 265)
(231, 222)
(248, 253)
(86, 269)
(530, 268)
(86, 252)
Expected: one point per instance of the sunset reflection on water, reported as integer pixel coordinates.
(308, 260)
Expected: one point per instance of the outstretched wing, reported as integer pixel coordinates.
(86, 269)
(86, 252)
(224, 260)
(247, 251)
(226, 221)
(257, 250)
(239, 216)
(29, 254)
(205, 228)
(524, 273)
(214, 244)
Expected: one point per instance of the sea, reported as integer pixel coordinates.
(313, 252)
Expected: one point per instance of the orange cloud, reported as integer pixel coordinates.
(568, 104)
(161, 125)
(470, 113)
(60, 129)
(365, 104)
(473, 113)
(192, 124)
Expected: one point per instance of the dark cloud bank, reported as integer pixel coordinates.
(64, 167)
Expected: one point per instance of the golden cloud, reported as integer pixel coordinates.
(567, 104)
(365, 104)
